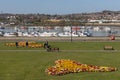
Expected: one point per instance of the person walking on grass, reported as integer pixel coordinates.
(27, 43)
(46, 44)
(16, 43)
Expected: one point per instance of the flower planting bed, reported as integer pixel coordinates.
(23, 44)
(70, 66)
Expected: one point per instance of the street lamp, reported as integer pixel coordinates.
(71, 34)
(70, 24)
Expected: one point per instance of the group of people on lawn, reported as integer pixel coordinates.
(46, 45)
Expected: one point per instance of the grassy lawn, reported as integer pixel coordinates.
(31, 65)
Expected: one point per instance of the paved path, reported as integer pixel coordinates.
(61, 50)
(67, 39)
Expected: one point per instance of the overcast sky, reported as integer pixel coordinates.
(57, 6)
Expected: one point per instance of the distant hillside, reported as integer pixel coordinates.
(52, 20)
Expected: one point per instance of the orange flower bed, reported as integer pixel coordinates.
(10, 44)
(35, 45)
(70, 66)
(23, 44)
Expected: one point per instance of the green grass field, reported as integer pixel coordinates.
(30, 64)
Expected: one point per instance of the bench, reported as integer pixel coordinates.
(108, 48)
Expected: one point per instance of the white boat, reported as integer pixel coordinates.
(67, 34)
(25, 34)
(8, 34)
(20, 34)
(45, 34)
(62, 35)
